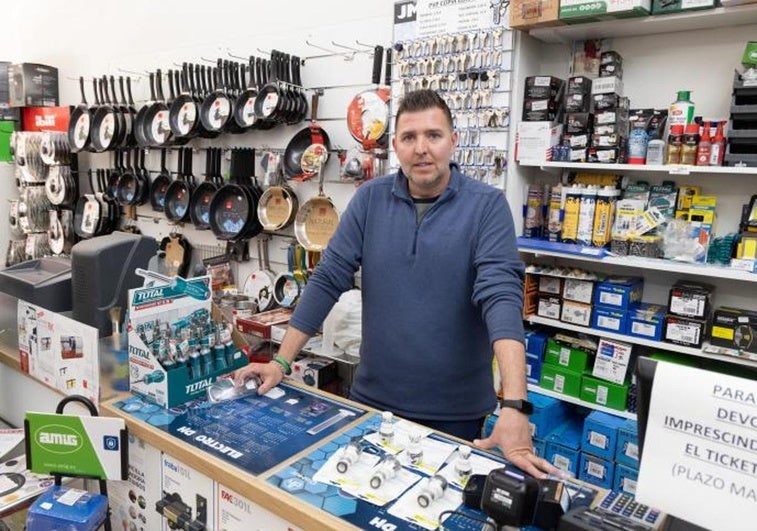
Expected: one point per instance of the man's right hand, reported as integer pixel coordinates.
(270, 375)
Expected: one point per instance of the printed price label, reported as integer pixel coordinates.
(611, 299)
(643, 329)
(609, 322)
(602, 395)
(559, 383)
(598, 440)
(595, 469)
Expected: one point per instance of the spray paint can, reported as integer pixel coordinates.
(681, 111)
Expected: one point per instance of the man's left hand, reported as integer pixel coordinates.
(513, 436)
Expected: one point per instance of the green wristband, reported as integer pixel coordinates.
(284, 363)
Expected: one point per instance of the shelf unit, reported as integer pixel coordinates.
(651, 264)
(573, 400)
(651, 25)
(662, 345)
(556, 167)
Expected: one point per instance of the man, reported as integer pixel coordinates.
(442, 291)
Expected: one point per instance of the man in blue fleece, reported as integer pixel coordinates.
(441, 287)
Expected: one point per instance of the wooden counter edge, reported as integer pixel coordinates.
(254, 488)
(10, 359)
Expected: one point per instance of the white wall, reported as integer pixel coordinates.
(107, 37)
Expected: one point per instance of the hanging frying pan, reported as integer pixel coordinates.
(128, 115)
(233, 209)
(233, 86)
(302, 106)
(136, 132)
(308, 150)
(183, 116)
(143, 179)
(199, 205)
(79, 124)
(156, 129)
(127, 185)
(287, 286)
(244, 106)
(141, 120)
(114, 174)
(120, 135)
(259, 284)
(216, 107)
(87, 215)
(160, 184)
(104, 133)
(368, 112)
(278, 205)
(179, 192)
(269, 97)
(316, 220)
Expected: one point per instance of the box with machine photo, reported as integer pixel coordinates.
(188, 497)
(132, 502)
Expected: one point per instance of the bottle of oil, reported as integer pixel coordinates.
(689, 145)
(681, 111)
(673, 151)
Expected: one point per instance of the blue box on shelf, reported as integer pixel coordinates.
(627, 445)
(64, 508)
(564, 446)
(619, 292)
(646, 321)
(536, 343)
(600, 434)
(539, 447)
(625, 479)
(597, 471)
(533, 368)
(548, 414)
(610, 319)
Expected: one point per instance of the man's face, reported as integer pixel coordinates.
(424, 144)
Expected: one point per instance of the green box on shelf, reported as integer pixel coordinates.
(662, 7)
(579, 11)
(604, 393)
(560, 380)
(6, 130)
(750, 54)
(563, 355)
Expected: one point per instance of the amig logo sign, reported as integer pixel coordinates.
(58, 439)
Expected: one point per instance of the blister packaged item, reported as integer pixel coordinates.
(219, 269)
(226, 389)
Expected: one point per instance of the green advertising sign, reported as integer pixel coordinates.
(76, 446)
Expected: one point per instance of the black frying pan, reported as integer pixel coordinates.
(126, 113)
(179, 192)
(160, 184)
(183, 116)
(139, 126)
(244, 106)
(104, 133)
(80, 122)
(157, 130)
(199, 204)
(216, 107)
(269, 97)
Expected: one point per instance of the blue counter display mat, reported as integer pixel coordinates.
(296, 479)
(253, 433)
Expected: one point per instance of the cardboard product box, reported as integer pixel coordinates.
(562, 354)
(579, 123)
(600, 434)
(607, 85)
(578, 155)
(527, 14)
(625, 479)
(608, 141)
(535, 140)
(6, 130)
(235, 513)
(611, 116)
(579, 85)
(690, 299)
(530, 294)
(576, 313)
(314, 372)
(619, 127)
(32, 85)
(579, 11)
(563, 446)
(627, 446)
(560, 380)
(662, 7)
(536, 343)
(548, 414)
(578, 103)
(132, 502)
(550, 285)
(186, 491)
(619, 292)
(604, 393)
(609, 102)
(534, 108)
(549, 307)
(612, 361)
(612, 155)
(543, 87)
(734, 328)
(533, 368)
(597, 471)
(577, 141)
(260, 323)
(684, 331)
(610, 319)
(646, 321)
(750, 53)
(578, 290)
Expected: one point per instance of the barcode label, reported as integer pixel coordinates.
(608, 322)
(683, 333)
(561, 462)
(643, 329)
(690, 307)
(611, 299)
(629, 486)
(602, 395)
(598, 440)
(595, 469)
(559, 383)
(632, 451)
(564, 356)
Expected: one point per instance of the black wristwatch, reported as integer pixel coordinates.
(524, 406)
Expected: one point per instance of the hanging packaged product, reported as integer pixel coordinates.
(586, 215)
(681, 111)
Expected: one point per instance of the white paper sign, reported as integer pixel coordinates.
(700, 454)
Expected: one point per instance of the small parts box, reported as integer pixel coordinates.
(260, 324)
(32, 85)
(685, 331)
(690, 299)
(734, 328)
(314, 372)
(619, 292)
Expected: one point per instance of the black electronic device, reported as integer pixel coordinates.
(102, 271)
(474, 491)
(587, 519)
(509, 498)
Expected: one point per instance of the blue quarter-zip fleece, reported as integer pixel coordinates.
(436, 295)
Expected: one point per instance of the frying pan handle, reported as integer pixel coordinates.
(163, 168)
(113, 89)
(296, 71)
(121, 89)
(314, 107)
(159, 85)
(152, 86)
(81, 88)
(378, 58)
(128, 91)
(388, 66)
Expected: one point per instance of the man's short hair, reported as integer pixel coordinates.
(420, 100)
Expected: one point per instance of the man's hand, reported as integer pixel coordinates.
(270, 375)
(512, 434)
